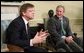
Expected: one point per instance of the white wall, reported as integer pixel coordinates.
(73, 10)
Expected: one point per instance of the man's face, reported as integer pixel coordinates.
(29, 14)
(59, 12)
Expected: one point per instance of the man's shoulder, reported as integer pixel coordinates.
(65, 17)
(17, 20)
(54, 18)
(51, 19)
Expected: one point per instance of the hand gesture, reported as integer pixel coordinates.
(40, 37)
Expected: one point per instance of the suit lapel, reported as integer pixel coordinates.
(23, 25)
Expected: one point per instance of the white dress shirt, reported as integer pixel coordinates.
(61, 18)
(25, 21)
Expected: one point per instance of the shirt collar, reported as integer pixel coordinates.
(25, 21)
(61, 18)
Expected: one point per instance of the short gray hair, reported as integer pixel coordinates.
(61, 7)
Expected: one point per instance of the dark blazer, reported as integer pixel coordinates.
(16, 33)
(54, 27)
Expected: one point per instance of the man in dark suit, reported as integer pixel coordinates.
(18, 31)
(58, 27)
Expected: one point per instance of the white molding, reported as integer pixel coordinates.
(11, 3)
(8, 16)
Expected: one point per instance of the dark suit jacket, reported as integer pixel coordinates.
(54, 27)
(16, 33)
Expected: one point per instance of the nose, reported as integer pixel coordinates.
(58, 13)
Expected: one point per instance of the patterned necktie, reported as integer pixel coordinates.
(63, 31)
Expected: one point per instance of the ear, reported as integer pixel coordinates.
(23, 13)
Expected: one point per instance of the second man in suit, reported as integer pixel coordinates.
(61, 35)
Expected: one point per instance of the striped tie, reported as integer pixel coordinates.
(62, 27)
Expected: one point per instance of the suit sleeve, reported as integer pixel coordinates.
(68, 30)
(13, 34)
(52, 29)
